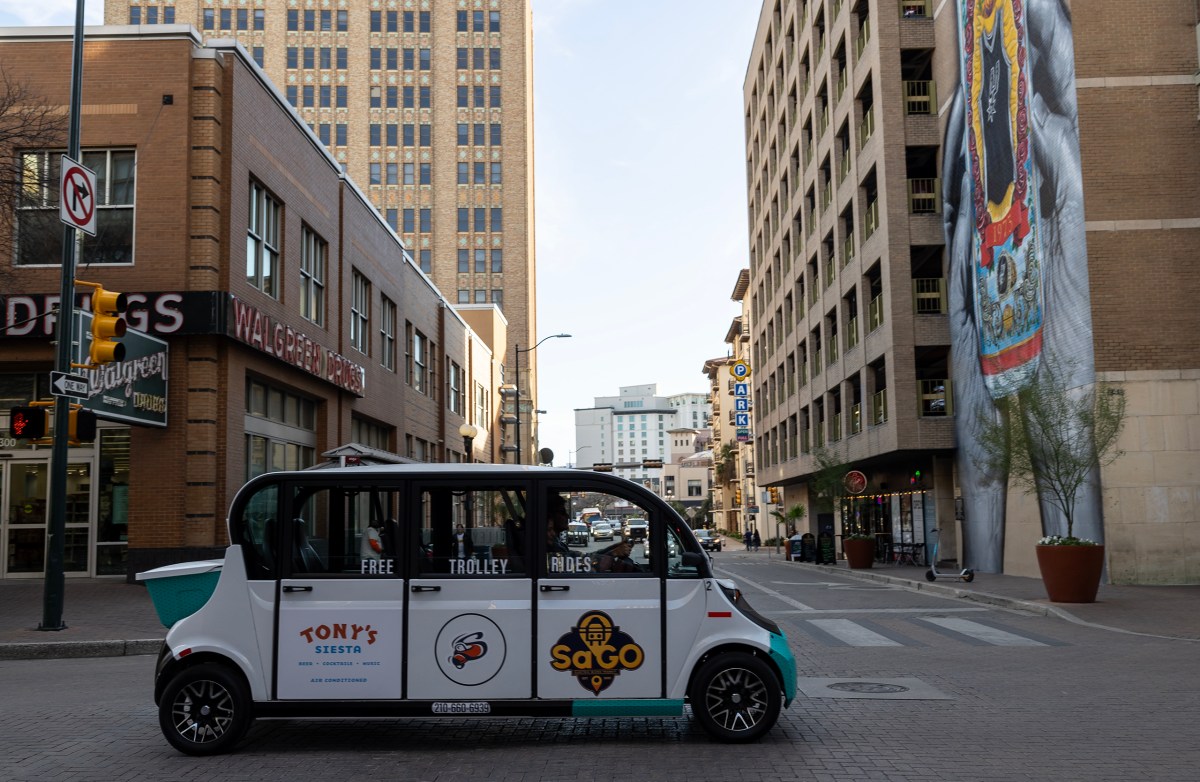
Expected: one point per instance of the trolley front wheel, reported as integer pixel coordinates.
(929, 575)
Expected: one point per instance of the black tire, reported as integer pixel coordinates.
(736, 697)
(205, 710)
(969, 576)
(929, 576)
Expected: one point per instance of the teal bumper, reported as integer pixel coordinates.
(781, 653)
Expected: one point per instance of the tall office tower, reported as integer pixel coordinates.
(847, 305)
(429, 105)
(854, 110)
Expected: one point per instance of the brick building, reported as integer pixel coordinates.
(429, 106)
(846, 108)
(291, 321)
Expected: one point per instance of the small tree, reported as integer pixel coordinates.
(826, 482)
(1051, 439)
(792, 517)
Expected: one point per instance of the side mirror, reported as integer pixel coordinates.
(693, 559)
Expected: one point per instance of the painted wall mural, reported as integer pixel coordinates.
(1013, 190)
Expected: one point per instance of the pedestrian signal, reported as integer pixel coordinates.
(27, 423)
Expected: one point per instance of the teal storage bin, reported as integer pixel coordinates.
(181, 590)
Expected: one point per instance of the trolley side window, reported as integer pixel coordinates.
(344, 532)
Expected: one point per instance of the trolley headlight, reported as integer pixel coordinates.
(743, 606)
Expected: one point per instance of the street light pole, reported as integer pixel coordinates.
(517, 351)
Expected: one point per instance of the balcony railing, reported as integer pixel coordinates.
(915, 9)
(879, 413)
(851, 333)
(925, 196)
(805, 442)
(866, 127)
(840, 88)
(934, 398)
(929, 296)
(826, 195)
(844, 167)
(817, 363)
(871, 219)
(831, 351)
(875, 313)
(848, 248)
(813, 294)
(920, 97)
(823, 121)
(864, 36)
(835, 430)
(803, 375)
(819, 434)
(856, 418)
(830, 271)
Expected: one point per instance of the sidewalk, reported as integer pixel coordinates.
(107, 617)
(1163, 611)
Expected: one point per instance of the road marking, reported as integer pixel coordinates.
(771, 592)
(852, 633)
(879, 611)
(982, 632)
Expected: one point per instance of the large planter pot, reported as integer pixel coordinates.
(1071, 573)
(859, 553)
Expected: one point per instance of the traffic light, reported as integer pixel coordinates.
(737, 498)
(651, 464)
(81, 425)
(774, 494)
(27, 423)
(602, 467)
(108, 324)
(915, 478)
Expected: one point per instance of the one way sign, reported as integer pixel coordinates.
(64, 384)
(77, 196)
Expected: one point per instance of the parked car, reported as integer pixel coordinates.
(577, 533)
(602, 531)
(709, 540)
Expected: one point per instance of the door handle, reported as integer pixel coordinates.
(426, 589)
(555, 588)
(297, 589)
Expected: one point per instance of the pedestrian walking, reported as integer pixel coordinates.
(757, 541)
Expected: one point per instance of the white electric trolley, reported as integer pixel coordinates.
(446, 590)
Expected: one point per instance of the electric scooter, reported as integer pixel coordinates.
(933, 574)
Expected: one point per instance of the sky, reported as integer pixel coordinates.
(640, 190)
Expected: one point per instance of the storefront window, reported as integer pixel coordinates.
(27, 517)
(280, 429)
(112, 517)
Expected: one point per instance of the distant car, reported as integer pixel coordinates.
(709, 540)
(577, 533)
(636, 529)
(602, 531)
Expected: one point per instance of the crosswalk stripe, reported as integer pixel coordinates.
(982, 632)
(852, 633)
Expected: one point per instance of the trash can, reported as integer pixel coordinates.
(181, 589)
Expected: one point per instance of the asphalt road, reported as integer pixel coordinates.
(896, 686)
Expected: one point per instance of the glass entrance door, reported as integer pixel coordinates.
(25, 519)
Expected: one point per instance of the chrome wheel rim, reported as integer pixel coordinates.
(203, 712)
(736, 699)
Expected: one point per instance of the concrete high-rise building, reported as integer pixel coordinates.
(429, 107)
(847, 103)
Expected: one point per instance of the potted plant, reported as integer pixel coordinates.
(790, 520)
(1051, 441)
(860, 550)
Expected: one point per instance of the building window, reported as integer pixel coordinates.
(493, 21)
(497, 173)
(498, 297)
(480, 261)
(280, 429)
(494, 97)
(461, 22)
(458, 396)
(464, 259)
(39, 231)
(314, 254)
(483, 405)
(426, 220)
(481, 297)
(208, 19)
(494, 59)
(464, 217)
(262, 243)
(387, 333)
(418, 369)
(135, 14)
(495, 134)
(257, 53)
(497, 261)
(370, 434)
(464, 173)
(464, 296)
(260, 19)
(360, 313)
(427, 258)
(497, 219)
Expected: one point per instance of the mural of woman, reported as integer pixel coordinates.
(1019, 301)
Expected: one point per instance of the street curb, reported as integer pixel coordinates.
(56, 650)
